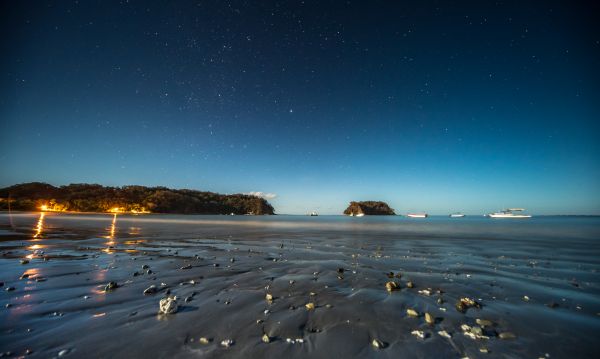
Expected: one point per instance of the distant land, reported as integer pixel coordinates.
(369, 208)
(127, 199)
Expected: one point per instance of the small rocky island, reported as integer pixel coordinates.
(375, 208)
(83, 197)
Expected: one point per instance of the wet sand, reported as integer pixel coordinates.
(536, 279)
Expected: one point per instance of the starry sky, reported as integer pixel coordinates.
(429, 106)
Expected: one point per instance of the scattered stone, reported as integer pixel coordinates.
(426, 292)
(8, 305)
(389, 275)
(310, 306)
(444, 334)
(412, 313)
(507, 335)
(484, 322)
(149, 271)
(340, 270)
(10, 289)
(265, 338)
(24, 276)
(410, 284)
(269, 297)
(24, 261)
(484, 350)
(227, 343)
(187, 299)
(110, 286)
(168, 305)
(526, 298)
(151, 290)
(465, 303)
(419, 334)
(145, 266)
(378, 344)
(473, 332)
(392, 286)
(63, 352)
(552, 305)
(189, 266)
(136, 273)
(204, 340)
(429, 319)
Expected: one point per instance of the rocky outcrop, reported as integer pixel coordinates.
(376, 208)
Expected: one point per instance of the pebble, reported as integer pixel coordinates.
(168, 305)
(204, 340)
(419, 334)
(310, 306)
(429, 319)
(484, 350)
(376, 343)
(507, 335)
(444, 334)
(426, 292)
(391, 286)
(227, 343)
(484, 322)
(63, 352)
(189, 266)
(145, 266)
(465, 303)
(265, 338)
(10, 289)
(410, 284)
(24, 261)
(473, 332)
(269, 297)
(151, 289)
(111, 286)
(412, 313)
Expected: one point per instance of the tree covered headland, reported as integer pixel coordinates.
(96, 198)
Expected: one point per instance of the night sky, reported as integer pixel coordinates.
(430, 106)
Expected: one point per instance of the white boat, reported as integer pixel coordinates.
(510, 213)
(456, 215)
(360, 215)
(313, 214)
(417, 215)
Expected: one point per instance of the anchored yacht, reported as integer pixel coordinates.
(510, 213)
(417, 215)
(456, 215)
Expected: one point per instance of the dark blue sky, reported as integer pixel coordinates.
(427, 105)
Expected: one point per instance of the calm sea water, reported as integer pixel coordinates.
(537, 278)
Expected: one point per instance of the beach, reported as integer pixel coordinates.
(298, 286)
